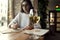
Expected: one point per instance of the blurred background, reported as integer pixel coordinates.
(10, 8)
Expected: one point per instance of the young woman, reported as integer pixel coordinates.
(22, 19)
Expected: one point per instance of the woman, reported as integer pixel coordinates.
(22, 19)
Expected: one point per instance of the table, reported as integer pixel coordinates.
(16, 36)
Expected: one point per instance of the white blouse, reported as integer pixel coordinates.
(22, 19)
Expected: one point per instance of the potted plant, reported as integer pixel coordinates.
(42, 7)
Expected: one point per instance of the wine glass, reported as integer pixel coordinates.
(33, 21)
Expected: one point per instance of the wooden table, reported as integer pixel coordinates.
(15, 36)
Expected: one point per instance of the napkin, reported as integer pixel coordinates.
(10, 31)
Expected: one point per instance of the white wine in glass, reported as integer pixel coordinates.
(34, 19)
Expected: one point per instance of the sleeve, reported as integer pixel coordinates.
(15, 20)
(31, 12)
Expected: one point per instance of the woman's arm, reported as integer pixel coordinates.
(14, 21)
(29, 27)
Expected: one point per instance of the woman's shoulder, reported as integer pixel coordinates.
(19, 13)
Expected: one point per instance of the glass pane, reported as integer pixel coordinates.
(58, 19)
(58, 25)
(58, 14)
(51, 19)
(3, 12)
(51, 14)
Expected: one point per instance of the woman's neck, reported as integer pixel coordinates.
(27, 12)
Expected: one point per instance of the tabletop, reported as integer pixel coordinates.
(14, 35)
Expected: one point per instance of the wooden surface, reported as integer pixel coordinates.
(15, 36)
(12, 35)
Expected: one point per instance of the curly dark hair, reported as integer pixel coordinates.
(29, 3)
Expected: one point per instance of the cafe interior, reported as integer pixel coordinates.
(48, 15)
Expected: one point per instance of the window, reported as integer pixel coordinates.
(3, 12)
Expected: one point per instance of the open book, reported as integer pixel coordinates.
(10, 31)
(39, 32)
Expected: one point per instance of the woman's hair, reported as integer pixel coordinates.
(28, 2)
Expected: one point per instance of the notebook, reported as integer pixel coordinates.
(39, 32)
(10, 31)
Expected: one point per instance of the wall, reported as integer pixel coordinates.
(52, 4)
(16, 6)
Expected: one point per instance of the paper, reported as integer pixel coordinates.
(39, 32)
(10, 31)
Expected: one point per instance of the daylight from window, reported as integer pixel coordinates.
(3, 13)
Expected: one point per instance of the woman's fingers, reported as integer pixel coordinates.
(14, 26)
(28, 28)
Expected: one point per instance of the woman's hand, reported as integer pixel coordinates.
(14, 26)
(28, 28)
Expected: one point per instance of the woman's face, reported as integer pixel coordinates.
(26, 7)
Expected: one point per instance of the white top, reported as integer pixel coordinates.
(22, 19)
